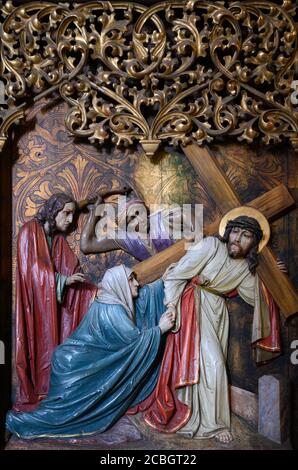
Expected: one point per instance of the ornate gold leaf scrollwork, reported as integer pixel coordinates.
(176, 72)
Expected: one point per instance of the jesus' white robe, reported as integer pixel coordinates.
(219, 274)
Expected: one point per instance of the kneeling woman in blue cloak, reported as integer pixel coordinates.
(109, 364)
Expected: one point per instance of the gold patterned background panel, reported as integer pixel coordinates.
(250, 168)
(49, 161)
(169, 176)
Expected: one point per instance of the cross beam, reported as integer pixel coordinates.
(272, 204)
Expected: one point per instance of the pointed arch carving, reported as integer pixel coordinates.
(176, 71)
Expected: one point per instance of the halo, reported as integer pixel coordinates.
(250, 212)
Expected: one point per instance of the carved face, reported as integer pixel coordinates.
(64, 218)
(240, 242)
(134, 286)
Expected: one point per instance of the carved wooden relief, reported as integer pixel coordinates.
(175, 72)
(50, 161)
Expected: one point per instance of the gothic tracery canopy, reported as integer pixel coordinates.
(174, 71)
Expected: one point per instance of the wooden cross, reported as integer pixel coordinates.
(272, 204)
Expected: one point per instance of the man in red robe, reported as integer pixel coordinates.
(52, 296)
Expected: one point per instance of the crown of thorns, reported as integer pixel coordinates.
(246, 224)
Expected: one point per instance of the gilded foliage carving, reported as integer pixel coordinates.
(175, 72)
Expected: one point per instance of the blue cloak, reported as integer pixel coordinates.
(106, 366)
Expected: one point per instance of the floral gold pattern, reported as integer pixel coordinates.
(175, 72)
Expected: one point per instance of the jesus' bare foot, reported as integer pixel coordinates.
(225, 437)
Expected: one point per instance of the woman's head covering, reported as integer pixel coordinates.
(114, 289)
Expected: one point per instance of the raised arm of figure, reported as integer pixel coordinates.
(89, 243)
